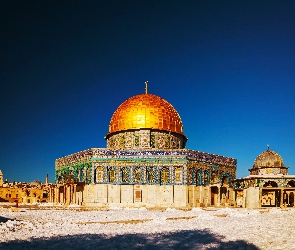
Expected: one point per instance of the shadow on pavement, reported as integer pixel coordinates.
(3, 219)
(187, 239)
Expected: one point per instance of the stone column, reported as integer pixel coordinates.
(74, 193)
(57, 195)
(218, 197)
(252, 197)
(64, 195)
(68, 195)
(185, 176)
(51, 194)
(282, 198)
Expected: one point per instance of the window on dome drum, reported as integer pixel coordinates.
(167, 142)
(153, 141)
(122, 141)
(136, 140)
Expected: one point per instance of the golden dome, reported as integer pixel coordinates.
(268, 158)
(146, 111)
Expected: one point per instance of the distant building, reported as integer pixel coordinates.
(145, 164)
(22, 192)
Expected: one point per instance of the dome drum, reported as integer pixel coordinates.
(145, 139)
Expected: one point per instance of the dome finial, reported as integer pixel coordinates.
(146, 86)
(267, 146)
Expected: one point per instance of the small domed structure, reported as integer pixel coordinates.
(268, 158)
(268, 162)
(36, 183)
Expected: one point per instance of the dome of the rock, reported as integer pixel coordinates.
(146, 111)
(268, 158)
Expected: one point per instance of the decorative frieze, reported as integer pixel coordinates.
(144, 139)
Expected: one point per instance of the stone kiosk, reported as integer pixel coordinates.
(268, 184)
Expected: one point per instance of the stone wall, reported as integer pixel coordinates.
(150, 196)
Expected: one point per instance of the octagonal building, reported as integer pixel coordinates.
(145, 163)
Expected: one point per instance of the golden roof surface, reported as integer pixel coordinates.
(146, 111)
(268, 158)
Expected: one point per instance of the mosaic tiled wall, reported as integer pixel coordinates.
(145, 167)
(144, 139)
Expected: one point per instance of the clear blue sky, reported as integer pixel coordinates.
(228, 67)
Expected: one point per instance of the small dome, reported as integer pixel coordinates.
(146, 111)
(35, 183)
(268, 158)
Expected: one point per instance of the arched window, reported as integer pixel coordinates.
(78, 175)
(83, 175)
(270, 184)
(99, 174)
(112, 175)
(137, 175)
(198, 177)
(178, 175)
(151, 175)
(191, 176)
(164, 176)
(206, 178)
(125, 175)
(87, 175)
(291, 183)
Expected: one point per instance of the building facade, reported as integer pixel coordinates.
(22, 192)
(145, 163)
